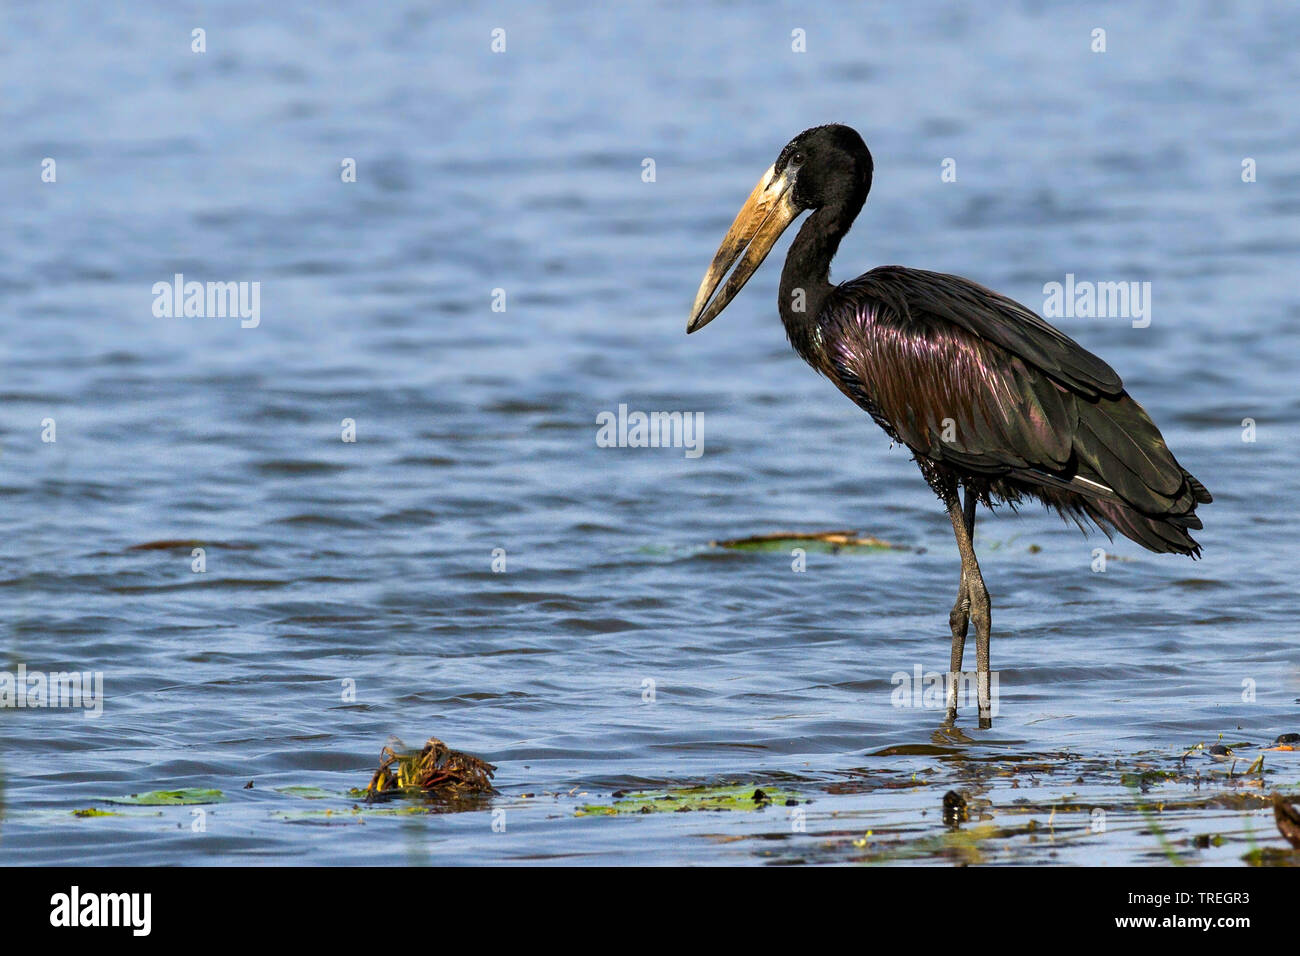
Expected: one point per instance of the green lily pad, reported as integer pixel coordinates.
(95, 812)
(170, 798)
(306, 793)
(730, 797)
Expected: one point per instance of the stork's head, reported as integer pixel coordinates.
(822, 166)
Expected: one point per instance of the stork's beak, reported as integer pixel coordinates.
(767, 213)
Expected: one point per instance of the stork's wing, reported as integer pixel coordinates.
(971, 379)
(994, 318)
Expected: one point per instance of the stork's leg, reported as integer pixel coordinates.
(959, 619)
(981, 611)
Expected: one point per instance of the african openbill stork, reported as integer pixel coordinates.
(987, 395)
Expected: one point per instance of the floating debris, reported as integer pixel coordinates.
(437, 769)
(831, 541)
(1218, 751)
(1288, 819)
(167, 544)
(955, 809)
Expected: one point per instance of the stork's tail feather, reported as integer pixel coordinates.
(1163, 534)
(1199, 491)
(1122, 477)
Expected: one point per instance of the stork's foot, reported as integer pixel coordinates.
(982, 689)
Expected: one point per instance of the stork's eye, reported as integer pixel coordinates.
(796, 159)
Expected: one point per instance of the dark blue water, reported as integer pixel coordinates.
(369, 564)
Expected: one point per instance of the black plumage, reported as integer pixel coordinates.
(1028, 412)
(986, 394)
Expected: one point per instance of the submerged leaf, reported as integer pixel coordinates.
(826, 541)
(306, 793)
(170, 798)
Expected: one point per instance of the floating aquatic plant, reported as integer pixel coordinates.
(717, 798)
(831, 541)
(171, 798)
(435, 769)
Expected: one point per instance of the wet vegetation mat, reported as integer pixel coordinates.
(1209, 803)
(947, 800)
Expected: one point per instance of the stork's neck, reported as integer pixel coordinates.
(806, 277)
